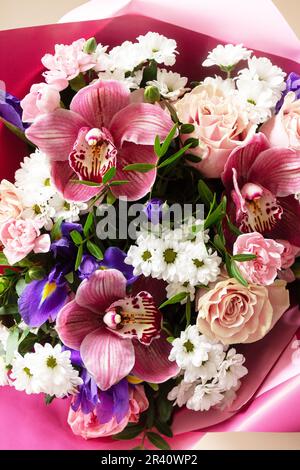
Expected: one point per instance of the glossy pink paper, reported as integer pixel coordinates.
(269, 399)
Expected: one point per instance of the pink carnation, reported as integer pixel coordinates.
(88, 426)
(20, 237)
(42, 99)
(263, 269)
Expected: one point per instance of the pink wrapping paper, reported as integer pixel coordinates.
(269, 399)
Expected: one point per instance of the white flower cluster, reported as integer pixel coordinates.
(170, 84)
(47, 370)
(259, 86)
(210, 373)
(178, 256)
(39, 196)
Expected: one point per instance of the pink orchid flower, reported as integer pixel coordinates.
(262, 182)
(116, 334)
(102, 129)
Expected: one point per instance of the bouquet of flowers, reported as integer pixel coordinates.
(150, 236)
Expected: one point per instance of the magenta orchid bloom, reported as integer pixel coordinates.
(262, 182)
(116, 334)
(101, 130)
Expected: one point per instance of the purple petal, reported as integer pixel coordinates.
(114, 259)
(87, 267)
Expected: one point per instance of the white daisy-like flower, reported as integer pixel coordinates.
(69, 211)
(203, 266)
(54, 370)
(141, 256)
(175, 288)
(229, 397)
(226, 86)
(227, 56)
(168, 259)
(43, 214)
(205, 396)
(101, 58)
(208, 369)
(231, 370)
(182, 393)
(4, 380)
(157, 47)
(4, 334)
(127, 56)
(257, 99)
(33, 178)
(22, 376)
(190, 349)
(132, 82)
(170, 84)
(262, 70)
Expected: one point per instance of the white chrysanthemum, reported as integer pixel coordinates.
(3, 373)
(127, 56)
(132, 82)
(190, 349)
(226, 86)
(168, 259)
(262, 70)
(43, 214)
(227, 56)
(170, 84)
(204, 397)
(257, 99)
(4, 334)
(182, 393)
(101, 58)
(202, 267)
(54, 370)
(228, 397)
(141, 256)
(208, 369)
(175, 288)
(69, 211)
(231, 370)
(22, 376)
(159, 48)
(34, 180)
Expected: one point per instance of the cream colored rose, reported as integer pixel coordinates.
(10, 202)
(232, 313)
(220, 123)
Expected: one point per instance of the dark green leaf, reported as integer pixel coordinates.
(166, 144)
(164, 428)
(187, 128)
(236, 273)
(205, 193)
(24, 335)
(175, 299)
(129, 433)
(218, 242)
(118, 182)
(86, 183)
(188, 311)
(70, 277)
(12, 344)
(49, 399)
(94, 250)
(110, 198)
(76, 237)
(150, 414)
(157, 148)
(192, 142)
(158, 441)
(174, 157)
(109, 175)
(20, 286)
(165, 408)
(9, 309)
(149, 73)
(244, 257)
(88, 224)
(154, 387)
(192, 158)
(56, 229)
(172, 111)
(140, 167)
(217, 215)
(232, 227)
(79, 257)
(77, 83)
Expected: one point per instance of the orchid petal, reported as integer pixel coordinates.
(107, 357)
(55, 133)
(286, 228)
(140, 123)
(74, 322)
(152, 363)
(99, 291)
(98, 103)
(139, 183)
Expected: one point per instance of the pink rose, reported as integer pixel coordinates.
(11, 205)
(67, 63)
(220, 124)
(20, 237)
(42, 99)
(88, 426)
(232, 313)
(263, 269)
(283, 129)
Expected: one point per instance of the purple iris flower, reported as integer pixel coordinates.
(292, 84)
(75, 356)
(114, 402)
(154, 210)
(88, 266)
(114, 259)
(10, 109)
(64, 249)
(87, 397)
(42, 300)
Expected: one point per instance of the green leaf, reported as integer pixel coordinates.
(154, 387)
(232, 227)
(236, 273)
(49, 399)
(79, 257)
(164, 429)
(158, 441)
(188, 311)
(110, 198)
(149, 73)
(94, 250)
(3, 260)
(244, 257)
(150, 415)
(77, 83)
(175, 299)
(76, 237)
(172, 111)
(109, 175)
(118, 182)
(157, 148)
(193, 158)
(70, 277)
(20, 286)
(192, 142)
(217, 215)
(137, 448)
(86, 183)
(18, 132)
(187, 128)
(9, 309)
(24, 335)
(140, 167)
(170, 339)
(166, 144)
(129, 433)
(174, 157)
(12, 344)
(218, 242)
(56, 229)
(88, 224)
(205, 193)
(165, 409)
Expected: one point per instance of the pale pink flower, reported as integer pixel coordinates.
(67, 63)
(88, 426)
(263, 269)
(220, 123)
(283, 129)
(232, 313)
(41, 99)
(11, 206)
(289, 253)
(20, 237)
